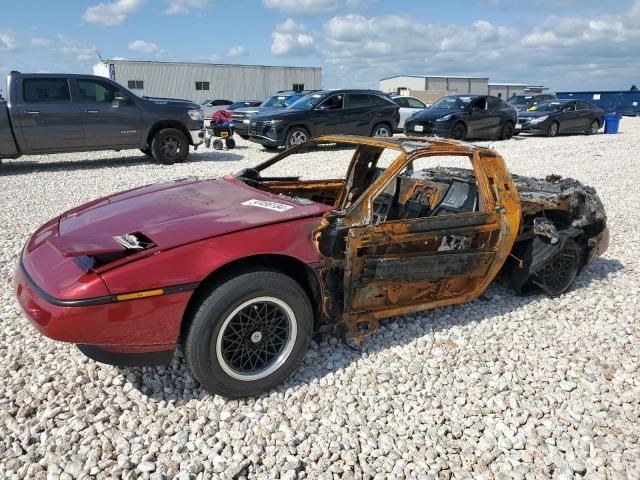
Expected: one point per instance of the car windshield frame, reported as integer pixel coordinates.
(308, 102)
(543, 106)
(526, 100)
(202, 104)
(455, 103)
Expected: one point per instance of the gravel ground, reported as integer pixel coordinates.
(504, 387)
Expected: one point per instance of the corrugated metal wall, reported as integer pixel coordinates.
(451, 85)
(232, 82)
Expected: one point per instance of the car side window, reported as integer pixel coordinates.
(97, 92)
(355, 100)
(334, 102)
(493, 103)
(480, 105)
(583, 106)
(46, 90)
(415, 103)
(571, 107)
(402, 102)
(420, 191)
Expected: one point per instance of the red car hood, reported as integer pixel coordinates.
(184, 211)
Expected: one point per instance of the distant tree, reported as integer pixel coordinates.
(634, 88)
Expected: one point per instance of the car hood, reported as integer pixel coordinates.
(180, 212)
(255, 110)
(279, 113)
(533, 114)
(433, 114)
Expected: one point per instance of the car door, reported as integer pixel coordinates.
(497, 115)
(480, 119)
(360, 114)
(108, 122)
(584, 113)
(48, 118)
(398, 265)
(569, 118)
(408, 106)
(329, 116)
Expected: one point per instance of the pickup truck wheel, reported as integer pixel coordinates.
(170, 145)
(249, 334)
(557, 276)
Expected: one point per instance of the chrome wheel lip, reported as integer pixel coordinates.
(170, 147)
(282, 356)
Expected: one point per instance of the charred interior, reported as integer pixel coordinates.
(400, 239)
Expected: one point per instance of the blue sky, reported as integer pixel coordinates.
(564, 44)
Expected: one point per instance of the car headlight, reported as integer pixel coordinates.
(197, 115)
(540, 119)
(276, 122)
(445, 118)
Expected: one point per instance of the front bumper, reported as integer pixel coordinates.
(144, 325)
(267, 134)
(197, 136)
(427, 128)
(526, 126)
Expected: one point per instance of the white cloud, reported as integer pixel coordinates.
(40, 42)
(290, 39)
(111, 14)
(238, 51)
(181, 7)
(302, 7)
(7, 42)
(143, 47)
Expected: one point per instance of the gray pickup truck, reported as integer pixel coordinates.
(56, 113)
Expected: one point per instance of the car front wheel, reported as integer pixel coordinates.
(249, 334)
(169, 145)
(553, 129)
(296, 136)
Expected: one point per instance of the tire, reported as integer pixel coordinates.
(170, 145)
(507, 132)
(220, 345)
(458, 131)
(559, 274)
(296, 136)
(230, 143)
(244, 137)
(381, 130)
(593, 127)
(553, 129)
(146, 151)
(217, 144)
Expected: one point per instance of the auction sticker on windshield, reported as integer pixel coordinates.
(278, 207)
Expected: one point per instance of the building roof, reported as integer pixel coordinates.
(201, 64)
(437, 76)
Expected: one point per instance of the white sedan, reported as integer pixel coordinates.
(408, 106)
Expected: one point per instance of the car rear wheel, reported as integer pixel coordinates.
(557, 276)
(381, 130)
(593, 128)
(553, 129)
(249, 334)
(296, 136)
(458, 131)
(507, 131)
(169, 145)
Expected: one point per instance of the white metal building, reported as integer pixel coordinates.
(507, 90)
(202, 81)
(449, 84)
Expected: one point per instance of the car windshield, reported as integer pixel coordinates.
(205, 102)
(520, 100)
(452, 103)
(293, 99)
(308, 102)
(551, 106)
(276, 101)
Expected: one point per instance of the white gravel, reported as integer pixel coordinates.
(505, 387)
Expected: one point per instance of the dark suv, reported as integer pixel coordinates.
(327, 112)
(279, 100)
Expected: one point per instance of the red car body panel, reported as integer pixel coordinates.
(198, 227)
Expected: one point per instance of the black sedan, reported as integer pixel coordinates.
(561, 116)
(465, 116)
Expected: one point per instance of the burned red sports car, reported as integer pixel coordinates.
(240, 269)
